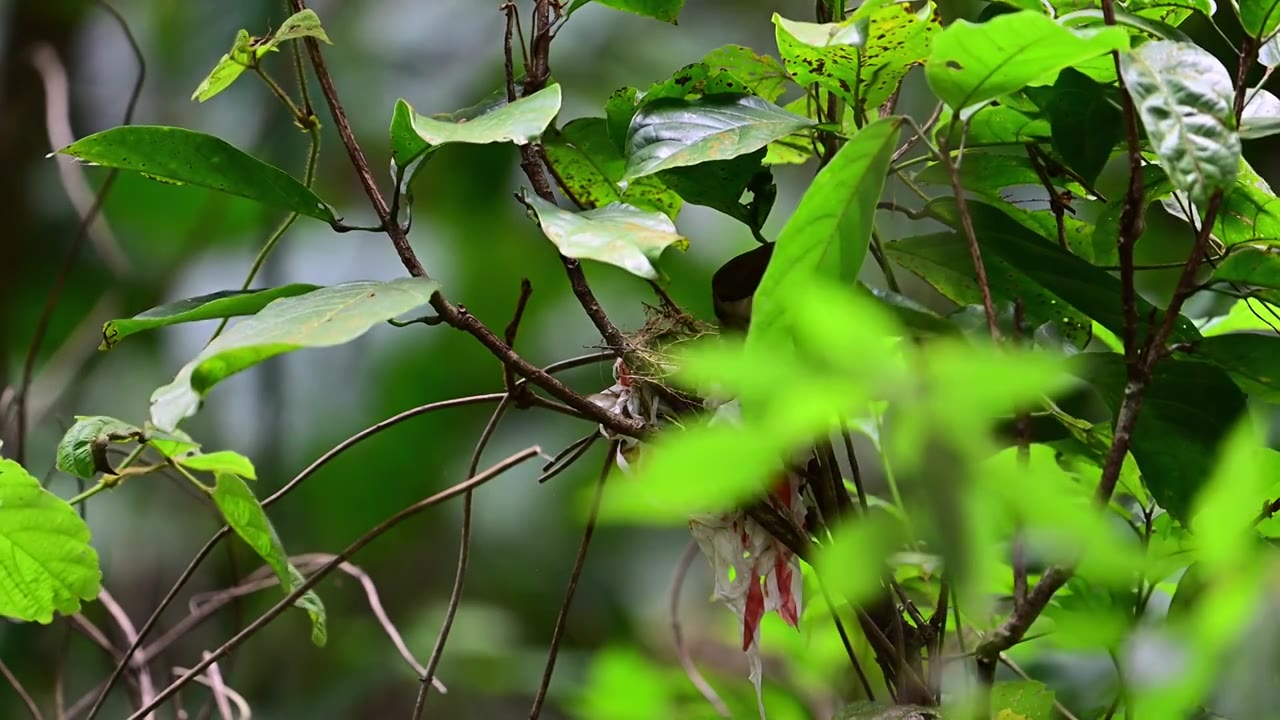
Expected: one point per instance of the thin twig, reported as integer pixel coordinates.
(971, 237)
(574, 453)
(146, 688)
(72, 252)
(464, 555)
(677, 634)
(1055, 203)
(311, 581)
(23, 695)
(844, 640)
(457, 317)
(213, 680)
(562, 617)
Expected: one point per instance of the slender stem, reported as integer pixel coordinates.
(971, 237)
(303, 119)
(313, 579)
(308, 179)
(562, 618)
(97, 488)
(21, 691)
(677, 634)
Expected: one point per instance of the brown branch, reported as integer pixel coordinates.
(677, 635)
(1055, 203)
(971, 237)
(455, 316)
(1141, 365)
(311, 581)
(562, 618)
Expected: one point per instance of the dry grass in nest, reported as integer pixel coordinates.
(652, 346)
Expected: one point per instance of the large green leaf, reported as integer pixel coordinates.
(224, 304)
(1256, 264)
(1188, 410)
(721, 184)
(672, 133)
(175, 155)
(1252, 360)
(689, 82)
(1184, 96)
(991, 172)
(973, 64)
(618, 234)
(495, 120)
(245, 515)
(996, 123)
(763, 75)
(1259, 18)
(1249, 210)
(321, 318)
(664, 10)
(1092, 291)
(826, 54)
(827, 235)
(588, 168)
(46, 562)
(1085, 121)
(82, 450)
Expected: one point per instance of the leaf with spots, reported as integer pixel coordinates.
(971, 64)
(321, 318)
(46, 562)
(588, 167)
(672, 133)
(618, 234)
(1171, 12)
(245, 515)
(826, 54)
(181, 156)
(692, 81)
(223, 304)
(763, 75)
(898, 39)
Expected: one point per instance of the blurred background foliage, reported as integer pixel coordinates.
(182, 241)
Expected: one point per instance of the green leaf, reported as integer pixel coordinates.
(321, 318)
(1184, 97)
(304, 23)
(174, 444)
(1245, 315)
(1253, 361)
(230, 67)
(664, 10)
(827, 235)
(175, 155)
(618, 234)
(852, 562)
(46, 562)
(1092, 291)
(973, 64)
(997, 124)
(224, 304)
(689, 82)
(1189, 409)
(763, 75)
(898, 39)
(222, 461)
(1259, 18)
(1172, 12)
(495, 120)
(671, 133)
(245, 515)
(991, 172)
(1085, 121)
(720, 184)
(1261, 116)
(1024, 698)
(82, 451)
(588, 168)
(1256, 264)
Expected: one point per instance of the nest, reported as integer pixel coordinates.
(651, 356)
